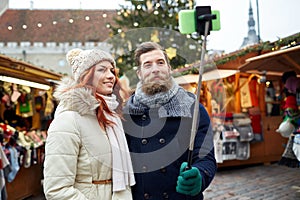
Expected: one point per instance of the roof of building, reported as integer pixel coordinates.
(55, 25)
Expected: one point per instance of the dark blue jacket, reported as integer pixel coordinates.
(158, 147)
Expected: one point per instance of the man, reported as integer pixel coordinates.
(157, 123)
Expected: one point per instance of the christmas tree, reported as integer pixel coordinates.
(152, 20)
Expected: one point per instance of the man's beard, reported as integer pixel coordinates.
(156, 87)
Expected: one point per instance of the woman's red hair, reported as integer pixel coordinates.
(86, 81)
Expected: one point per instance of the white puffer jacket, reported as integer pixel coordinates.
(77, 150)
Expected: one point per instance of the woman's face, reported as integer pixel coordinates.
(104, 78)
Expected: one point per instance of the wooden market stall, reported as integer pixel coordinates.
(27, 181)
(258, 73)
(270, 147)
(272, 65)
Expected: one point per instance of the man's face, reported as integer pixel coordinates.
(154, 72)
(154, 67)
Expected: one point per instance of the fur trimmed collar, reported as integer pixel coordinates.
(80, 100)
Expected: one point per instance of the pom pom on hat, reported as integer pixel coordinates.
(82, 60)
(71, 55)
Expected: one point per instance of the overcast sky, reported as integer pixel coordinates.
(278, 18)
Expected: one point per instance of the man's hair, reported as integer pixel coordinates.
(147, 47)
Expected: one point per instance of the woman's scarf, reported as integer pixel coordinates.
(122, 174)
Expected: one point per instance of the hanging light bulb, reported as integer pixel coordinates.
(135, 24)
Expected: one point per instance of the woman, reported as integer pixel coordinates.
(86, 151)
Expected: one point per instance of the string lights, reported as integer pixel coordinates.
(72, 20)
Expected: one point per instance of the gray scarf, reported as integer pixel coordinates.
(174, 103)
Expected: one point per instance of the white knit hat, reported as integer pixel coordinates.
(81, 60)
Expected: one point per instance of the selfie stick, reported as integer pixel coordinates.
(196, 21)
(196, 107)
(200, 20)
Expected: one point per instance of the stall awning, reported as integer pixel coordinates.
(274, 63)
(11, 67)
(210, 75)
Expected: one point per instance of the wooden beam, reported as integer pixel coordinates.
(288, 58)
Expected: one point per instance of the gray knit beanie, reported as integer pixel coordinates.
(82, 60)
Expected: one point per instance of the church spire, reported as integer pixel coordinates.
(252, 37)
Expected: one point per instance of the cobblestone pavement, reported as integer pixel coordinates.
(260, 182)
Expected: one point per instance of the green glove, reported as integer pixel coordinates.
(189, 181)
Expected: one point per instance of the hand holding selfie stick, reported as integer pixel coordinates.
(201, 19)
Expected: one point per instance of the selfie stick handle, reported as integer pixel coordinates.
(196, 107)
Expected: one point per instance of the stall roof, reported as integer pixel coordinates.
(19, 69)
(274, 63)
(210, 75)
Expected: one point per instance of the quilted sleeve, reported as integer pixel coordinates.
(61, 152)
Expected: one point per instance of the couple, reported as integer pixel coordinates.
(94, 144)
